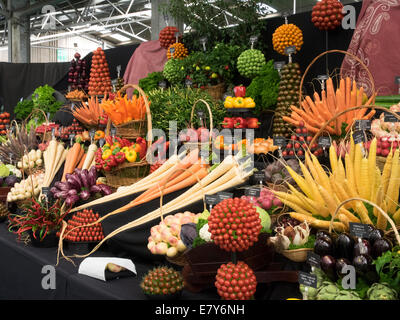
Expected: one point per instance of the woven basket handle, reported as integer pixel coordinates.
(372, 204)
(371, 78)
(209, 112)
(321, 130)
(34, 111)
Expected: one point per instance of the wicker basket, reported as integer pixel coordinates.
(127, 174)
(201, 145)
(46, 136)
(297, 255)
(135, 128)
(216, 92)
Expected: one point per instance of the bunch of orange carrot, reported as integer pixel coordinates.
(75, 158)
(121, 109)
(88, 113)
(315, 112)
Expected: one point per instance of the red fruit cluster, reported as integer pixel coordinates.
(299, 143)
(235, 281)
(84, 233)
(167, 36)
(155, 166)
(78, 77)
(327, 14)
(4, 122)
(384, 145)
(100, 80)
(234, 224)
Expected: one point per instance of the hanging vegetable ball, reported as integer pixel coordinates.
(250, 63)
(327, 14)
(177, 51)
(174, 71)
(167, 36)
(287, 35)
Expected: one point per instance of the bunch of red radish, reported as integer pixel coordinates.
(383, 145)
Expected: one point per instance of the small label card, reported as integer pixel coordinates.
(290, 49)
(279, 141)
(313, 259)
(359, 137)
(224, 195)
(162, 84)
(212, 199)
(388, 117)
(253, 192)
(324, 142)
(359, 230)
(307, 279)
(259, 176)
(363, 125)
(278, 65)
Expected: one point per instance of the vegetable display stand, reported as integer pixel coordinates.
(203, 262)
(216, 92)
(49, 241)
(135, 128)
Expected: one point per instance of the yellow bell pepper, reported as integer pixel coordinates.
(228, 102)
(249, 102)
(238, 102)
(106, 154)
(131, 155)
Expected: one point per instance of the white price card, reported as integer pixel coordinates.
(95, 267)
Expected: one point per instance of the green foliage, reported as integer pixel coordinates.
(198, 240)
(388, 268)
(250, 63)
(174, 71)
(264, 89)
(42, 99)
(151, 81)
(210, 20)
(23, 109)
(175, 104)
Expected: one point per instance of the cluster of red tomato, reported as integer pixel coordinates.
(327, 14)
(81, 233)
(234, 224)
(236, 281)
(4, 121)
(100, 80)
(167, 36)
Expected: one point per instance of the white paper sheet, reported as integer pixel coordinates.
(95, 266)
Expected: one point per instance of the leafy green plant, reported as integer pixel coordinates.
(151, 81)
(43, 99)
(175, 104)
(388, 268)
(264, 88)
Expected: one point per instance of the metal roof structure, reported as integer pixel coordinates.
(116, 22)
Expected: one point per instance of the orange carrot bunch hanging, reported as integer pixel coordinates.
(121, 109)
(88, 113)
(314, 112)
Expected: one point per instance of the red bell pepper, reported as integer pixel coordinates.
(240, 123)
(120, 157)
(228, 123)
(106, 166)
(252, 123)
(239, 91)
(143, 147)
(112, 161)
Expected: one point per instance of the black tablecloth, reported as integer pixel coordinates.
(21, 277)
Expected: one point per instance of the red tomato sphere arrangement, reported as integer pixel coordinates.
(235, 281)
(82, 232)
(234, 224)
(167, 36)
(100, 80)
(327, 14)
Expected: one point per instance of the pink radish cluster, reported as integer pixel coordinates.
(165, 237)
(384, 144)
(267, 200)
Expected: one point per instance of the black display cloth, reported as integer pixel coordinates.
(21, 277)
(19, 80)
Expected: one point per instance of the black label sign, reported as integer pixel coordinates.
(102, 142)
(253, 192)
(162, 84)
(359, 137)
(313, 259)
(91, 133)
(172, 50)
(290, 50)
(397, 80)
(323, 77)
(389, 117)
(307, 279)
(259, 176)
(224, 195)
(211, 199)
(47, 193)
(279, 141)
(324, 142)
(200, 114)
(113, 131)
(363, 125)
(359, 230)
(188, 83)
